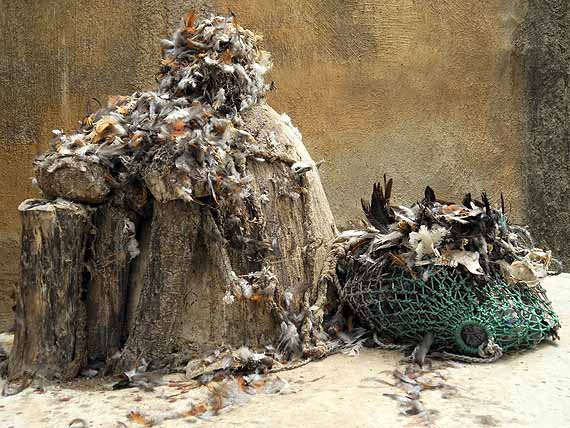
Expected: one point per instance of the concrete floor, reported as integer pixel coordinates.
(531, 389)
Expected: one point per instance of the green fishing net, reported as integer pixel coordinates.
(462, 314)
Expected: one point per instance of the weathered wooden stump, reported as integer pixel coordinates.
(50, 338)
(207, 222)
(195, 261)
(205, 276)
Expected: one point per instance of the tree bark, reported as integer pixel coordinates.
(198, 260)
(50, 315)
(216, 267)
(113, 248)
(229, 270)
(158, 316)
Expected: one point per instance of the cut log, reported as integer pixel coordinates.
(113, 248)
(50, 314)
(77, 178)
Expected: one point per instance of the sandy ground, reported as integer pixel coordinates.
(531, 389)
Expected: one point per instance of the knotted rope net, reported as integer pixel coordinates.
(456, 271)
(402, 306)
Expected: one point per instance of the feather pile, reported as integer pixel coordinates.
(188, 133)
(223, 396)
(411, 382)
(471, 235)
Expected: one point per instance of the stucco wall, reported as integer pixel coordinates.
(545, 42)
(428, 91)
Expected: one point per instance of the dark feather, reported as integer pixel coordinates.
(467, 199)
(429, 195)
(486, 203)
(387, 190)
(378, 212)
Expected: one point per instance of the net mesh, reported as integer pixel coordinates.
(403, 305)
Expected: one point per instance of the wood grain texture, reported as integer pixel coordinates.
(192, 256)
(158, 317)
(108, 264)
(50, 337)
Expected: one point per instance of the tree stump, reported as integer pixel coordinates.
(50, 338)
(212, 187)
(195, 259)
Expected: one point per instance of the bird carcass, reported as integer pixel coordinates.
(174, 219)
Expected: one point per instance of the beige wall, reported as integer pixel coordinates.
(428, 91)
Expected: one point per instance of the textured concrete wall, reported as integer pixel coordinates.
(546, 46)
(429, 91)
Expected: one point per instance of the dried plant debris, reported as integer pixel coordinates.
(413, 380)
(185, 140)
(350, 341)
(221, 363)
(230, 378)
